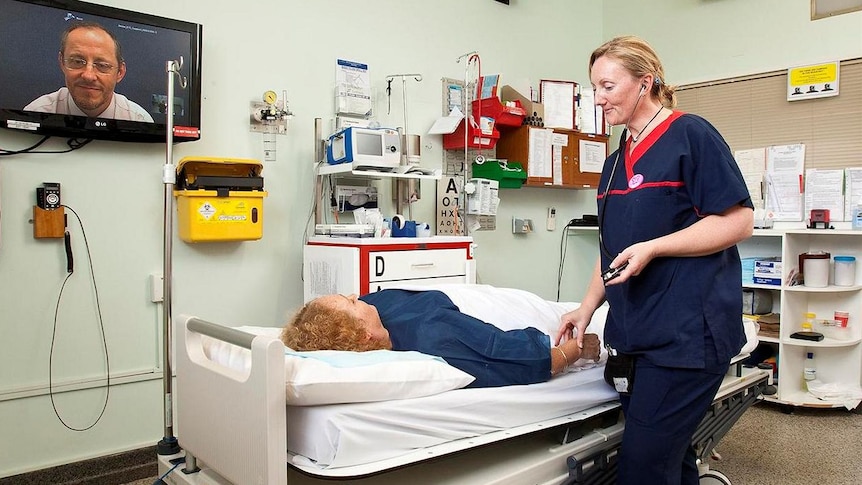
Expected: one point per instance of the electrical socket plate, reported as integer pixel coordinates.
(522, 226)
(157, 289)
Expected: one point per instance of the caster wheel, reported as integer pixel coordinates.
(713, 477)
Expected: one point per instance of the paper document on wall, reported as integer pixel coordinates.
(558, 141)
(784, 167)
(557, 157)
(852, 190)
(558, 98)
(455, 94)
(353, 88)
(752, 164)
(820, 192)
(539, 158)
(591, 117)
(592, 156)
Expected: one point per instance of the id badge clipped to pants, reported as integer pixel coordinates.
(620, 372)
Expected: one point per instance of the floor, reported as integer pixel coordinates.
(769, 444)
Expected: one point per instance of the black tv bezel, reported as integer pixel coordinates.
(71, 126)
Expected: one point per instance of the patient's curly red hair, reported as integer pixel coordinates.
(318, 326)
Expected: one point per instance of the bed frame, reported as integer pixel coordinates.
(232, 428)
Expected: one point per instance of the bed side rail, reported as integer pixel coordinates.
(220, 332)
(234, 422)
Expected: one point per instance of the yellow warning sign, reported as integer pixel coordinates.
(814, 81)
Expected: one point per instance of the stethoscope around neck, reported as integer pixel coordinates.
(610, 273)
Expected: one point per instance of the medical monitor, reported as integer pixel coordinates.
(32, 76)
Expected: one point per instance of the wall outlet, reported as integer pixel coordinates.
(522, 226)
(157, 289)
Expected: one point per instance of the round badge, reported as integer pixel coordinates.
(636, 180)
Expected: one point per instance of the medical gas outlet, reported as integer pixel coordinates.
(270, 115)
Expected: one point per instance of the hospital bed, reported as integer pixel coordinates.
(235, 427)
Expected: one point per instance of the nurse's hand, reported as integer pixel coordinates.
(635, 257)
(573, 324)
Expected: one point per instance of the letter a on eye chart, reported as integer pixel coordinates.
(448, 197)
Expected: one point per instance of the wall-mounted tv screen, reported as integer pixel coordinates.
(82, 70)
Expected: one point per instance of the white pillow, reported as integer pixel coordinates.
(331, 377)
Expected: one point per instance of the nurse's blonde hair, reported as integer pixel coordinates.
(639, 59)
(318, 326)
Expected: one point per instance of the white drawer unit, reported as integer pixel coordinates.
(418, 264)
(364, 265)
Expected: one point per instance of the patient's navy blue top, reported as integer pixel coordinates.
(677, 309)
(429, 322)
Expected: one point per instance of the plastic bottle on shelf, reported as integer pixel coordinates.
(806, 324)
(809, 370)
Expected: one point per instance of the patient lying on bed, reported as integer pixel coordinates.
(429, 322)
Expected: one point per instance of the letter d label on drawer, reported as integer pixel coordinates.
(379, 266)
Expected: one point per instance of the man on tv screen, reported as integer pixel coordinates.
(92, 62)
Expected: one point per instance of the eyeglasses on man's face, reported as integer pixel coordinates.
(76, 64)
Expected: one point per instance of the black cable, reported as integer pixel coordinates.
(101, 327)
(601, 216)
(76, 143)
(72, 143)
(563, 246)
(70, 260)
(26, 150)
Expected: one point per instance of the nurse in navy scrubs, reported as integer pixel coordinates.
(672, 205)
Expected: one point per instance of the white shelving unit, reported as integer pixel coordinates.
(837, 360)
(401, 172)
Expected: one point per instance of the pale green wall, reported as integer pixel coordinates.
(117, 188)
(249, 47)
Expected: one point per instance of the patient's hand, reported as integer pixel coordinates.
(592, 347)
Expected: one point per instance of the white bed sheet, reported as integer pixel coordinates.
(342, 435)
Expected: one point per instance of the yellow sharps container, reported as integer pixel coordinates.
(219, 199)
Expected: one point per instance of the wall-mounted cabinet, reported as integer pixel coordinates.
(549, 166)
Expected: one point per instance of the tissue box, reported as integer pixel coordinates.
(767, 272)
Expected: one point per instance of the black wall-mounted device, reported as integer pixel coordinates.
(48, 196)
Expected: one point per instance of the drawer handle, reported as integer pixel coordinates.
(422, 265)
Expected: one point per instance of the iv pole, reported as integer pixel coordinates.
(403, 186)
(468, 118)
(169, 445)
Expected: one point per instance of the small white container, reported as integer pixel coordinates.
(845, 270)
(833, 329)
(815, 269)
